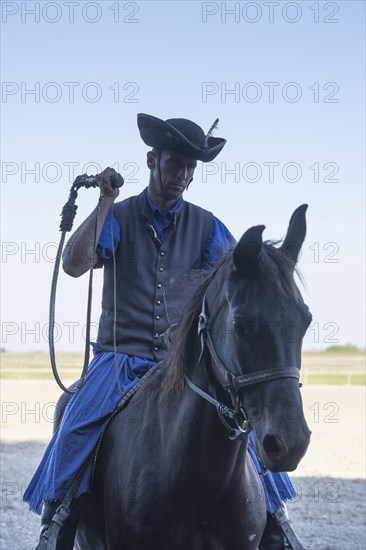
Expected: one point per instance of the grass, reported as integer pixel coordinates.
(337, 379)
(333, 367)
(318, 367)
(318, 359)
(37, 366)
(40, 360)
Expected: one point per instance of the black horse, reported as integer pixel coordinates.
(168, 476)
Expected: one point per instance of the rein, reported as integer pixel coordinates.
(231, 383)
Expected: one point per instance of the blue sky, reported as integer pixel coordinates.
(170, 63)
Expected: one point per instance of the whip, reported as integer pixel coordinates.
(67, 219)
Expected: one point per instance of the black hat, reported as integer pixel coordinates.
(181, 136)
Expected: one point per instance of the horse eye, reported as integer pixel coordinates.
(238, 328)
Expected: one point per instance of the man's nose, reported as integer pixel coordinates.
(183, 173)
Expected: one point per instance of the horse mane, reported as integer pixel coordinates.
(273, 262)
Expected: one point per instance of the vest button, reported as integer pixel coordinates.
(159, 285)
(158, 302)
(156, 335)
(161, 269)
(157, 317)
(156, 348)
(162, 253)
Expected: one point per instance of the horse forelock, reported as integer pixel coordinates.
(273, 265)
(278, 267)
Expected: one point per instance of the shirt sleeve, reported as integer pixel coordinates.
(219, 242)
(109, 237)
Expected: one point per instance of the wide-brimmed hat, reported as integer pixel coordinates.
(181, 136)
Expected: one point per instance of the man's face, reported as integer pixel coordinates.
(176, 173)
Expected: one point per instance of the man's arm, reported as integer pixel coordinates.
(219, 242)
(80, 250)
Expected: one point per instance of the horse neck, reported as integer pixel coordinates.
(215, 454)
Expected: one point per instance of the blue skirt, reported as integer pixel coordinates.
(83, 422)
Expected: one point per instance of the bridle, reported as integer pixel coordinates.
(229, 381)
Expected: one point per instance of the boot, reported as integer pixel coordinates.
(48, 511)
(66, 535)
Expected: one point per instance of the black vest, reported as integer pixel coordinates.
(151, 276)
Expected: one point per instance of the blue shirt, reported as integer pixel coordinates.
(218, 242)
(162, 222)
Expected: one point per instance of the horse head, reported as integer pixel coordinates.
(257, 320)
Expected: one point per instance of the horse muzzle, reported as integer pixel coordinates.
(279, 455)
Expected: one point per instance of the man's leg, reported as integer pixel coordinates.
(66, 535)
(83, 419)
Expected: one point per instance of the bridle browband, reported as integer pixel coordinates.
(231, 383)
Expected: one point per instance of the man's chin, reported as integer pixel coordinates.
(175, 191)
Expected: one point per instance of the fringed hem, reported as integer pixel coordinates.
(35, 505)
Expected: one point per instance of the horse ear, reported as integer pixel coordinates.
(248, 249)
(296, 233)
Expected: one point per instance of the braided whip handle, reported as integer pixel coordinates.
(68, 215)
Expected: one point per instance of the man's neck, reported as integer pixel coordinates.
(160, 202)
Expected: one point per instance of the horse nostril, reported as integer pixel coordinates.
(272, 445)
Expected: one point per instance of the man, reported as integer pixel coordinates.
(149, 246)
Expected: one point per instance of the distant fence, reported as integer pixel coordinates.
(69, 375)
(317, 367)
(330, 375)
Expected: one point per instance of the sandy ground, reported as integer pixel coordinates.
(328, 513)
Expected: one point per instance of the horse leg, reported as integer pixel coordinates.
(91, 532)
(273, 537)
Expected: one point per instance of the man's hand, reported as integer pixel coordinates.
(106, 184)
(77, 257)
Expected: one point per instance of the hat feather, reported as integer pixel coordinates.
(213, 127)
